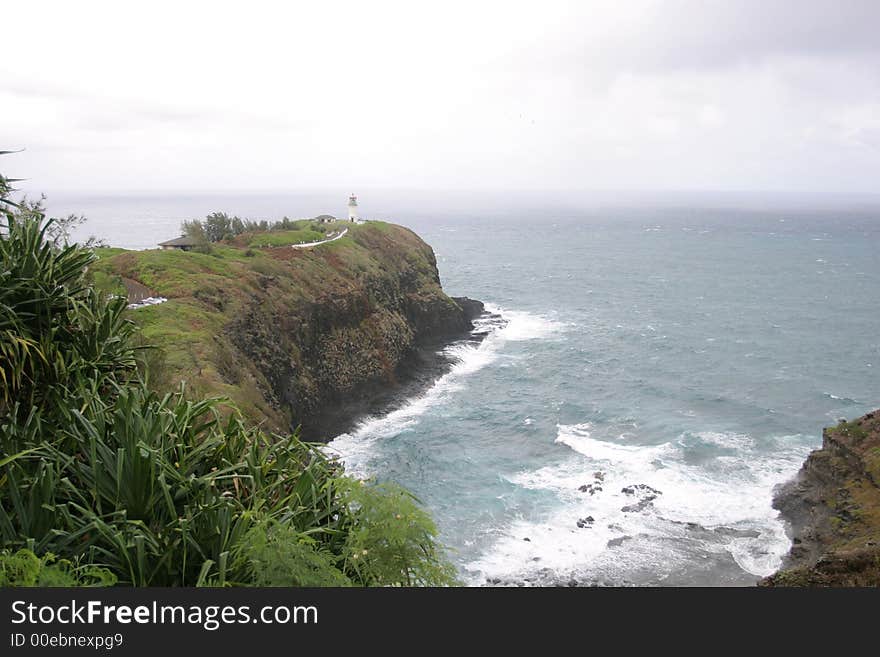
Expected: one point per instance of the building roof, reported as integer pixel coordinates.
(180, 241)
(324, 217)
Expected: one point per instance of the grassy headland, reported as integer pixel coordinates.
(284, 331)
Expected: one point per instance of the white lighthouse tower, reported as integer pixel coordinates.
(353, 208)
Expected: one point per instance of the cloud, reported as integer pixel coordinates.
(640, 94)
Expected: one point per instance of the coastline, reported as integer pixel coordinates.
(416, 373)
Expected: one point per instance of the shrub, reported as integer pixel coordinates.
(391, 541)
(24, 568)
(274, 554)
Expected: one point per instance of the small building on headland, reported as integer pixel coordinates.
(183, 243)
(325, 218)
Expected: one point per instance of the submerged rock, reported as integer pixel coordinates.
(737, 533)
(641, 505)
(616, 542)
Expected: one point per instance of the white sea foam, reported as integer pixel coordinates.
(848, 400)
(578, 437)
(723, 507)
(725, 439)
(355, 448)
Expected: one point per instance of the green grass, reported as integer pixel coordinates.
(852, 429)
(173, 273)
(108, 251)
(304, 231)
(108, 282)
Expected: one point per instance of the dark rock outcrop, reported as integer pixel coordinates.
(833, 511)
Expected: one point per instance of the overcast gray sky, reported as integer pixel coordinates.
(627, 94)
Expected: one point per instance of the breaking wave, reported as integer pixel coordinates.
(627, 509)
(499, 326)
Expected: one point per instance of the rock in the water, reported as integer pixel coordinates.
(737, 533)
(640, 488)
(639, 506)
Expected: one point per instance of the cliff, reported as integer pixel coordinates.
(833, 508)
(306, 337)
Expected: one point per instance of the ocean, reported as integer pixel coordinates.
(653, 372)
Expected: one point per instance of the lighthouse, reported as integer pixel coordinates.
(352, 208)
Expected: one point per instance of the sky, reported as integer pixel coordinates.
(543, 95)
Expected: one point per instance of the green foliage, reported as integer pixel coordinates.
(7, 205)
(219, 227)
(852, 429)
(389, 541)
(160, 489)
(24, 568)
(274, 554)
(55, 328)
(152, 364)
(392, 541)
(196, 230)
(216, 227)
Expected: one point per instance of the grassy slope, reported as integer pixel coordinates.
(287, 237)
(207, 291)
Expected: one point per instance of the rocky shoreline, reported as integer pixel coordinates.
(416, 372)
(832, 509)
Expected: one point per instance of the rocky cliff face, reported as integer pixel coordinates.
(300, 336)
(833, 508)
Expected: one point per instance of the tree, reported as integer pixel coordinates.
(194, 229)
(237, 226)
(218, 226)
